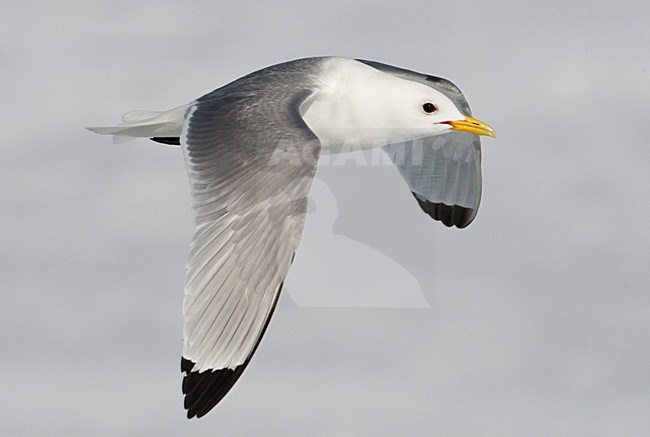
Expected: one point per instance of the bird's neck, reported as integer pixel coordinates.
(340, 112)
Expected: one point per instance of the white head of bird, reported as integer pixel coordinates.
(358, 107)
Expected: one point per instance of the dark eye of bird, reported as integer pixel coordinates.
(429, 108)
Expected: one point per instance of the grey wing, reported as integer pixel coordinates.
(443, 172)
(250, 165)
(444, 175)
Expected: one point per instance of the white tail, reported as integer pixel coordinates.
(146, 124)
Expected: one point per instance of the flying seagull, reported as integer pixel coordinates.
(251, 149)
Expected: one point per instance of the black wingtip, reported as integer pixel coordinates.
(204, 390)
(449, 215)
(171, 141)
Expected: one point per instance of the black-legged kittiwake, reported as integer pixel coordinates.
(251, 149)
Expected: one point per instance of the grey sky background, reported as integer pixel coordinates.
(539, 318)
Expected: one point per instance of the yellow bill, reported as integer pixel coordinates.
(474, 126)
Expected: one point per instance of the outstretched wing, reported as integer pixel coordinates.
(250, 160)
(444, 175)
(443, 172)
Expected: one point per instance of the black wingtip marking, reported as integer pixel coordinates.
(453, 215)
(172, 141)
(204, 390)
